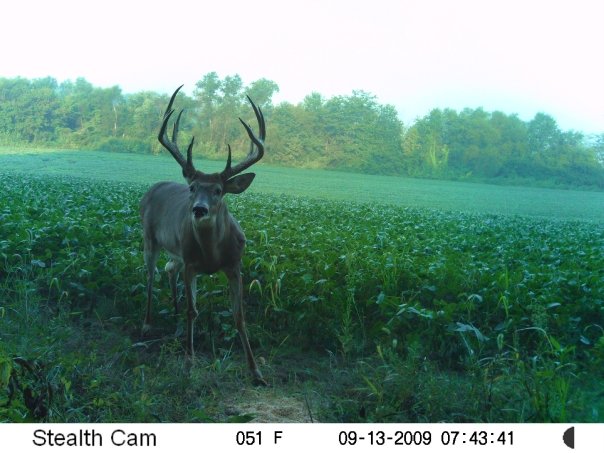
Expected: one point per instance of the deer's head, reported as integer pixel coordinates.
(208, 189)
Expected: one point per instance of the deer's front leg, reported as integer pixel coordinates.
(190, 291)
(235, 287)
(173, 268)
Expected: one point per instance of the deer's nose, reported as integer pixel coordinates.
(200, 211)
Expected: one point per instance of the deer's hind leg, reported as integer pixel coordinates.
(150, 254)
(173, 267)
(190, 280)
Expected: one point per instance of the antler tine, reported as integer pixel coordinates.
(228, 164)
(169, 108)
(255, 140)
(176, 127)
(260, 117)
(253, 155)
(190, 154)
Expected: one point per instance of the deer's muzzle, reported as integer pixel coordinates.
(200, 211)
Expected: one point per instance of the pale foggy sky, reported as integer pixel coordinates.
(517, 56)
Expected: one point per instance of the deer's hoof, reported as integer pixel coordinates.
(258, 380)
(189, 354)
(146, 329)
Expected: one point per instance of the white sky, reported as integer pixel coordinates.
(517, 56)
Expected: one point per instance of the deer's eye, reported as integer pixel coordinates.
(217, 191)
(191, 188)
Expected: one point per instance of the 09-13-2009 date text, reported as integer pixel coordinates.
(447, 437)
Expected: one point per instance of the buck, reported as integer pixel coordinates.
(192, 223)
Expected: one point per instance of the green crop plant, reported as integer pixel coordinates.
(379, 312)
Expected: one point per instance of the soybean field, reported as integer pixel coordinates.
(368, 299)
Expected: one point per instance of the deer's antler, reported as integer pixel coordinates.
(171, 145)
(256, 146)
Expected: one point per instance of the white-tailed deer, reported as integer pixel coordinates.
(192, 223)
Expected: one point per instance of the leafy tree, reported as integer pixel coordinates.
(261, 91)
(598, 148)
(353, 132)
(543, 134)
(29, 109)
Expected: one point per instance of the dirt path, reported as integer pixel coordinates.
(269, 405)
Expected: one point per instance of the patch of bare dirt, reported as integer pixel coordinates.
(267, 405)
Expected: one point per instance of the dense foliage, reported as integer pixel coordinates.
(421, 315)
(352, 132)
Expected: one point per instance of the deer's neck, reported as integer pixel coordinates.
(213, 238)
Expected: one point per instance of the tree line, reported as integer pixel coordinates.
(354, 132)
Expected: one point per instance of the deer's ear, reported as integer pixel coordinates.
(238, 184)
